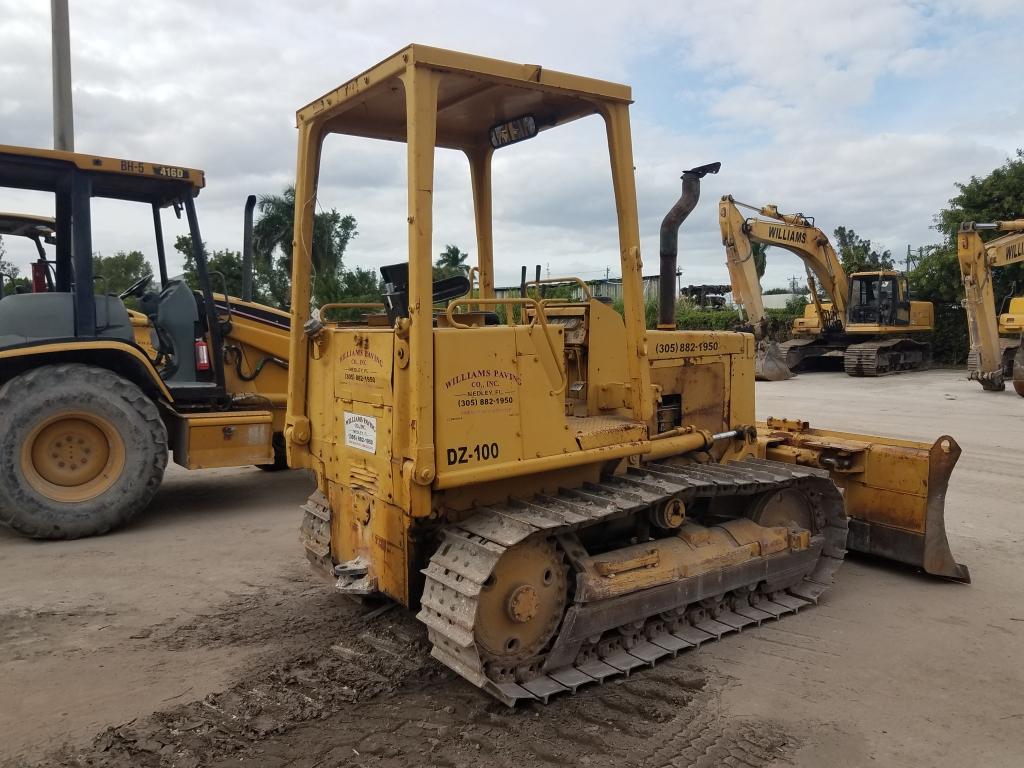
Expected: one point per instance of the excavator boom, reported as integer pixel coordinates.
(992, 359)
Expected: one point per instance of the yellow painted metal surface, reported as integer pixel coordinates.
(412, 424)
(42, 351)
(977, 260)
(228, 439)
(195, 177)
(894, 489)
(1012, 323)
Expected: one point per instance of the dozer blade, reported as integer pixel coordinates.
(770, 364)
(895, 490)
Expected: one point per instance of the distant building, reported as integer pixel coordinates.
(778, 300)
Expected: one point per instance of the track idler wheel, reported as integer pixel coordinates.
(521, 604)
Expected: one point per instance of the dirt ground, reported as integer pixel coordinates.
(197, 637)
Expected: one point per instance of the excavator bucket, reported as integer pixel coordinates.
(769, 363)
(895, 490)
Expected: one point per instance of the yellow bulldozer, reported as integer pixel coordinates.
(93, 395)
(996, 351)
(562, 494)
(869, 322)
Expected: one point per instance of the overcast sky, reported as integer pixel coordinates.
(858, 113)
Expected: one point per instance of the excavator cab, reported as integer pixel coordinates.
(879, 298)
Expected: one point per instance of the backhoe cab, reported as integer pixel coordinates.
(563, 494)
(92, 394)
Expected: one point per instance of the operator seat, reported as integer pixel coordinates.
(396, 292)
(175, 322)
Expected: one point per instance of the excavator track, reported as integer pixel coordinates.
(880, 358)
(599, 637)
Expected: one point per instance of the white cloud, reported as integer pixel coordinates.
(789, 96)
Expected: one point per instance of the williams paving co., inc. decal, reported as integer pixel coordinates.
(361, 432)
(362, 366)
(484, 391)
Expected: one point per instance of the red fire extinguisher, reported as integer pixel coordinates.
(202, 355)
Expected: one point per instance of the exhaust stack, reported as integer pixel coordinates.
(670, 241)
(247, 265)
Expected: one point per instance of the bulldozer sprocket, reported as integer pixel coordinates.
(612, 636)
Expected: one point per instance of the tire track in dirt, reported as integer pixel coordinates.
(340, 683)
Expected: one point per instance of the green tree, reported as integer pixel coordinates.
(451, 262)
(272, 246)
(999, 196)
(759, 251)
(359, 286)
(856, 254)
(115, 273)
(10, 275)
(227, 263)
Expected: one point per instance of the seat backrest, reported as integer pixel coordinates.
(112, 319)
(177, 316)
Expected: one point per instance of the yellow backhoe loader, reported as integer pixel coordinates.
(868, 322)
(92, 395)
(562, 494)
(996, 350)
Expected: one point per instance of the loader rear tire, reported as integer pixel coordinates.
(82, 451)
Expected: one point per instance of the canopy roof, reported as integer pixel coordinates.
(27, 225)
(475, 94)
(34, 168)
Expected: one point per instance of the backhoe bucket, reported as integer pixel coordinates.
(769, 363)
(895, 490)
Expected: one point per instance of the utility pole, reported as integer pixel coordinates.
(63, 114)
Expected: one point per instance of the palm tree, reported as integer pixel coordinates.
(273, 232)
(452, 262)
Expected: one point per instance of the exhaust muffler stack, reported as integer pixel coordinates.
(670, 241)
(247, 263)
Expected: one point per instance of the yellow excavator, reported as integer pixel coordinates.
(562, 494)
(94, 396)
(868, 322)
(996, 350)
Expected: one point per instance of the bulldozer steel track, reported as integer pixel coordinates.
(649, 625)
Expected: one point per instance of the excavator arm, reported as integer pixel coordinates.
(977, 260)
(794, 232)
(798, 235)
